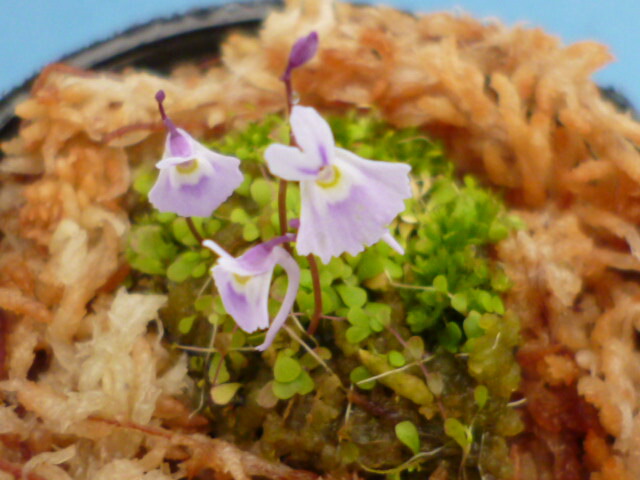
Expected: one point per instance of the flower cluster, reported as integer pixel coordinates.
(347, 203)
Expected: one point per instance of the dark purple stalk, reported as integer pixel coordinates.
(194, 230)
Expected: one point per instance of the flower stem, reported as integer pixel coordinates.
(194, 230)
(317, 295)
(282, 211)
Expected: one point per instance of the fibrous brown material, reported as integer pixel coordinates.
(512, 105)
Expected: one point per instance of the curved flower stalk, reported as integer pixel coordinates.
(243, 284)
(348, 202)
(193, 180)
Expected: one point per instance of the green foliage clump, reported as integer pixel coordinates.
(383, 315)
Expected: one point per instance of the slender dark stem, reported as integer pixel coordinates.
(282, 211)
(317, 295)
(194, 230)
(289, 90)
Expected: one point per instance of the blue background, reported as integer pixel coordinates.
(36, 32)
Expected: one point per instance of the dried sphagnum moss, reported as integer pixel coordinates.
(513, 105)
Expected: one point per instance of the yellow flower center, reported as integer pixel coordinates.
(241, 279)
(329, 176)
(188, 167)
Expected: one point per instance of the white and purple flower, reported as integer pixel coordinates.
(193, 180)
(244, 282)
(348, 202)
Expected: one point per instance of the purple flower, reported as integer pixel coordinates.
(193, 180)
(348, 202)
(302, 51)
(244, 282)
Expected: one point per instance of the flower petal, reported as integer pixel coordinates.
(244, 283)
(354, 213)
(313, 134)
(201, 192)
(290, 163)
(392, 242)
(244, 298)
(179, 143)
(293, 278)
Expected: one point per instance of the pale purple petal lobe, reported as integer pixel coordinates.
(244, 282)
(244, 298)
(313, 135)
(290, 163)
(292, 269)
(392, 242)
(356, 214)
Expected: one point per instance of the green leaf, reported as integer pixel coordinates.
(262, 191)
(396, 359)
(485, 300)
(211, 227)
(357, 334)
(496, 305)
(357, 317)
(199, 270)
(459, 302)
(359, 374)
(223, 393)
(407, 433)
(443, 192)
(352, 297)
(204, 303)
(378, 312)
(459, 432)
(440, 284)
(392, 268)
(370, 265)
(239, 215)
(183, 266)
(150, 266)
(419, 320)
(238, 339)
(182, 233)
(305, 301)
(149, 241)
(286, 369)
(481, 395)
(218, 366)
(144, 179)
(305, 383)
(498, 231)
(185, 324)
(250, 232)
(415, 347)
(284, 391)
(471, 325)
(450, 337)
(165, 217)
(329, 301)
